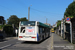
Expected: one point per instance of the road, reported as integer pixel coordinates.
(54, 42)
(14, 44)
(7, 42)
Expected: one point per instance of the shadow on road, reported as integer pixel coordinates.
(30, 42)
(0, 49)
(3, 40)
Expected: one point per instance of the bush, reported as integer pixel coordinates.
(1, 26)
(54, 28)
(8, 30)
(58, 23)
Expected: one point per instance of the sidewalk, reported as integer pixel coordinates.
(60, 44)
(11, 38)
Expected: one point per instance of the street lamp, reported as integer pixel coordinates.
(29, 12)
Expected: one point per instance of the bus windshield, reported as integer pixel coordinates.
(31, 23)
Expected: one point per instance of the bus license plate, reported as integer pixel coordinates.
(26, 36)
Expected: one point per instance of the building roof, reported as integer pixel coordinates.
(47, 24)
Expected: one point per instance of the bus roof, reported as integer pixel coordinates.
(44, 25)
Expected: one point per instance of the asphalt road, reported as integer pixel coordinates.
(14, 44)
(54, 42)
(7, 42)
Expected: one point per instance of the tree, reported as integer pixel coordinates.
(4, 21)
(70, 11)
(58, 22)
(23, 19)
(13, 19)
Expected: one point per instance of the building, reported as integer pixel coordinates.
(62, 29)
(1, 20)
(73, 29)
(55, 25)
(47, 24)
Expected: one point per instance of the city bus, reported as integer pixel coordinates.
(33, 31)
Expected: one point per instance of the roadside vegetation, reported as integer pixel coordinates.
(12, 23)
(70, 10)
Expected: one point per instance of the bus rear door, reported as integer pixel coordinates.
(28, 34)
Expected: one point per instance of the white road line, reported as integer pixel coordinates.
(5, 46)
(3, 42)
(51, 43)
(49, 46)
(18, 42)
(6, 41)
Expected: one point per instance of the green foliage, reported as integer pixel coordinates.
(8, 29)
(58, 23)
(54, 28)
(4, 21)
(70, 16)
(70, 11)
(1, 26)
(23, 19)
(73, 42)
(13, 19)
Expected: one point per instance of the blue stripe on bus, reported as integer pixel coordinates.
(37, 37)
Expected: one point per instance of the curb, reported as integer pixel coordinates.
(11, 38)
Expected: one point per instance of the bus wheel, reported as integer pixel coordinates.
(42, 37)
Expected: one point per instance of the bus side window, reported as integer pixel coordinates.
(43, 30)
(40, 30)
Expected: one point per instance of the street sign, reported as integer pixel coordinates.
(67, 19)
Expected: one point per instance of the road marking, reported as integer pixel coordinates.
(6, 41)
(18, 42)
(3, 41)
(48, 47)
(52, 42)
(5, 46)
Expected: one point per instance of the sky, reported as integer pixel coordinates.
(53, 10)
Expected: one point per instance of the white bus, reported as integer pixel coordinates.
(33, 31)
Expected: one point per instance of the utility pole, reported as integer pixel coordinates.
(28, 13)
(46, 20)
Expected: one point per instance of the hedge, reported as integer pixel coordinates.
(8, 29)
(1, 26)
(59, 22)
